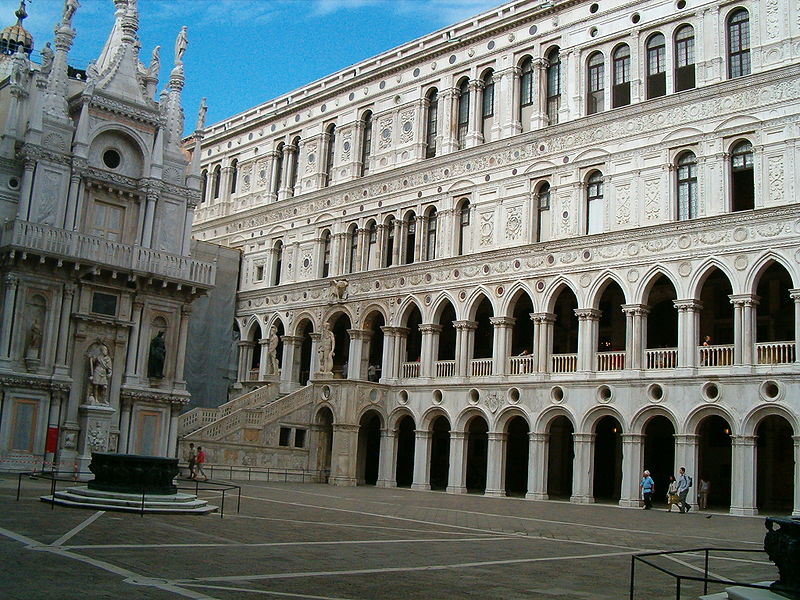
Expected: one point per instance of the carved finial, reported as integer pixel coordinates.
(21, 13)
(201, 115)
(155, 63)
(70, 6)
(180, 46)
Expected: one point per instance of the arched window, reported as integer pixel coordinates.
(234, 174)
(595, 204)
(430, 235)
(738, 43)
(352, 254)
(372, 241)
(463, 113)
(621, 94)
(543, 212)
(389, 242)
(553, 85)
(595, 84)
(366, 142)
(411, 238)
(487, 108)
(684, 58)
(203, 185)
(215, 181)
(326, 253)
(463, 226)
(526, 91)
(330, 152)
(293, 168)
(278, 170)
(277, 262)
(656, 66)
(431, 123)
(742, 182)
(686, 168)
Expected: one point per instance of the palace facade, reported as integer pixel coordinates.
(96, 285)
(532, 253)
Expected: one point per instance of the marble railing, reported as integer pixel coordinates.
(611, 361)
(481, 367)
(661, 358)
(565, 363)
(59, 243)
(519, 365)
(200, 417)
(445, 368)
(409, 369)
(716, 356)
(771, 353)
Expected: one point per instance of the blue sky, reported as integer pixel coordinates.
(244, 52)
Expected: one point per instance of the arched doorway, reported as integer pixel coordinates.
(517, 457)
(774, 465)
(372, 360)
(279, 333)
(369, 448)
(714, 460)
(409, 361)
(659, 453)
(440, 453)
(477, 447)
(775, 317)
(607, 479)
(341, 352)
(324, 442)
(560, 454)
(404, 473)
(254, 365)
(304, 370)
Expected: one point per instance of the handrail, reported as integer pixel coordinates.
(680, 578)
(321, 475)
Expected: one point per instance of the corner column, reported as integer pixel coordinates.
(290, 372)
(133, 344)
(495, 464)
(430, 335)
(387, 476)
(688, 324)
(543, 340)
(422, 449)
(632, 444)
(588, 319)
(458, 468)
(537, 465)
(501, 346)
(743, 472)
(582, 476)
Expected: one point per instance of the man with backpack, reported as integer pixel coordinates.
(684, 483)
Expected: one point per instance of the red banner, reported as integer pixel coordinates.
(52, 439)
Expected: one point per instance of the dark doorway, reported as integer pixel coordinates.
(405, 452)
(477, 447)
(374, 324)
(565, 329)
(522, 333)
(306, 329)
(369, 446)
(325, 441)
(716, 318)
(560, 454)
(414, 339)
(611, 328)
(775, 465)
(662, 322)
(775, 314)
(341, 351)
(447, 337)
(484, 333)
(659, 454)
(714, 460)
(440, 454)
(607, 481)
(517, 457)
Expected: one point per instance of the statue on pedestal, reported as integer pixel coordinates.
(33, 347)
(99, 375)
(180, 46)
(327, 343)
(272, 351)
(155, 360)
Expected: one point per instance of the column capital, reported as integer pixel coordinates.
(588, 314)
(358, 334)
(466, 325)
(294, 340)
(795, 295)
(688, 305)
(246, 344)
(315, 336)
(538, 436)
(583, 438)
(345, 427)
(636, 309)
(11, 280)
(458, 435)
(744, 440)
(686, 438)
(430, 328)
(744, 299)
(500, 322)
(497, 436)
(632, 438)
(543, 317)
(423, 434)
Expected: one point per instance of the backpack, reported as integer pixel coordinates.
(689, 480)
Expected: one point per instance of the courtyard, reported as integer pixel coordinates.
(294, 540)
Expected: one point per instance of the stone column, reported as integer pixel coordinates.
(588, 319)
(380, 247)
(388, 359)
(63, 326)
(131, 364)
(338, 254)
(421, 230)
(508, 108)
(796, 439)
(290, 371)
(539, 117)
(183, 333)
(458, 467)
(149, 216)
(264, 364)
(501, 343)
(635, 335)
(464, 349)
(245, 357)
(795, 296)
(354, 356)
(495, 464)
(582, 468)
(399, 241)
(225, 183)
(315, 366)
(172, 442)
(387, 469)
(71, 213)
(543, 339)
(187, 229)
(537, 465)
(362, 263)
(474, 133)
(632, 468)
(272, 158)
(743, 475)
(11, 283)
(343, 454)
(686, 456)
(446, 127)
(430, 336)
(743, 327)
(422, 463)
(25, 189)
(688, 322)
(126, 409)
(286, 190)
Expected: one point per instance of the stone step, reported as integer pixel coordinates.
(82, 497)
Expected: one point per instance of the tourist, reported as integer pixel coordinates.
(200, 460)
(672, 493)
(191, 458)
(646, 486)
(372, 373)
(702, 492)
(684, 483)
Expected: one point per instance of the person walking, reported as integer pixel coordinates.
(191, 459)
(199, 462)
(684, 483)
(646, 487)
(672, 493)
(702, 493)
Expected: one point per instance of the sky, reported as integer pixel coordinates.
(244, 52)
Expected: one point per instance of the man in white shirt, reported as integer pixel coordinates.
(684, 483)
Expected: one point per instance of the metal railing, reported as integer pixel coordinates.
(681, 579)
(286, 475)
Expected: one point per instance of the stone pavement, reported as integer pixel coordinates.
(315, 541)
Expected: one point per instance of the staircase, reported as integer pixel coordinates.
(198, 418)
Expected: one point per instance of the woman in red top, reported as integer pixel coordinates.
(199, 462)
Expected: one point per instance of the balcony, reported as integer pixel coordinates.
(773, 353)
(481, 367)
(409, 370)
(445, 368)
(520, 365)
(716, 356)
(74, 245)
(565, 363)
(611, 361)
(661, 358)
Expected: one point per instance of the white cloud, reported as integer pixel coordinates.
(438, 12)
